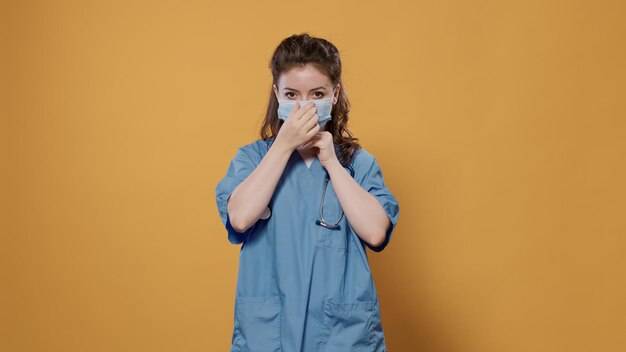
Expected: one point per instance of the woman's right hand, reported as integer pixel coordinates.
(300, 126)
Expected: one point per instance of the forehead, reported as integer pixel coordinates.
(306, 77)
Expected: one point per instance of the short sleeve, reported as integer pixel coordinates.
(374, 183)
(240, 167)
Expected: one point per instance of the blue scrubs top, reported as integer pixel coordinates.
(301, 286)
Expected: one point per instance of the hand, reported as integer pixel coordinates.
(323, 141)
(300, 126)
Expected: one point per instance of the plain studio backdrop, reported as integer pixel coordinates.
(499, 126)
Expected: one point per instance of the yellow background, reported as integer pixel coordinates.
(499, 127)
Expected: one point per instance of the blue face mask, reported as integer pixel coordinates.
(324, 106)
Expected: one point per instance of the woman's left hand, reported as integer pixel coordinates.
(323, 141)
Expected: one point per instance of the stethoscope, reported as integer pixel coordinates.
(323, 221)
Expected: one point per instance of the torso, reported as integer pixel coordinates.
(302, 286)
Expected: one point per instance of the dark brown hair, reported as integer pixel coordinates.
(300, 50)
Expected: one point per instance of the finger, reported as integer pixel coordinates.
(298, 110)
(296, 107)
(313, 131)
(311, 122)
(310, 143)
(308, 115)
(307, 144)
(311, 136)
(307, 111)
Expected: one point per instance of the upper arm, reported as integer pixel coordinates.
(372, 181)
(240, 167)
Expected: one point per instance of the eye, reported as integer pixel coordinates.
(287, 94)
(321, 94)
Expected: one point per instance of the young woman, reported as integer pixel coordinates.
(304, 201)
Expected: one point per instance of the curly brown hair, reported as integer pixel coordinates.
(299, 50)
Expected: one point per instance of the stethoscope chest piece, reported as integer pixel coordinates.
(327, 225)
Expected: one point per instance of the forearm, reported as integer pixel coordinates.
(365, 214)
(250, 198)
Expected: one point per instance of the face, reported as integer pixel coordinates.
(305, 83)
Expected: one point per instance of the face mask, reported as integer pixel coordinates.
(324, 106)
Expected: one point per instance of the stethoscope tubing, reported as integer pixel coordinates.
(322, 222)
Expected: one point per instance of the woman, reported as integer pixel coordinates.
(304, 201)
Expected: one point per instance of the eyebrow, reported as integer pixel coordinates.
(311, 89)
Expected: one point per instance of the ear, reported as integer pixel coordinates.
(275, 90)
(336, 94)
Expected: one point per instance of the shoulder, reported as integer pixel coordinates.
(363, 158)
(255, 150)
(363, 162)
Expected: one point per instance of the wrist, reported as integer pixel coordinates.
(333, 167)
(282, 147)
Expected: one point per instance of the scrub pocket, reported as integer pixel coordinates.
(257, 324)
(350, 327)
(338, 239)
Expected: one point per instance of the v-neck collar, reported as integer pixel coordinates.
(313, 171)
(310, 180)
